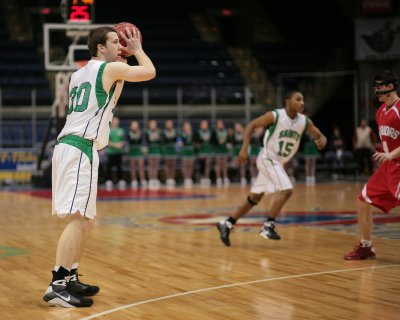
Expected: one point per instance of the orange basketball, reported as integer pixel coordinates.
(121, 27)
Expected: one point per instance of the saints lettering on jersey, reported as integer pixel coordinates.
(286, 145)
(282, 138)
(289, 134)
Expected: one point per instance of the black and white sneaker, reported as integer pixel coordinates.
(268, 231)
(224, 228)
(57, 295)
(79, 288)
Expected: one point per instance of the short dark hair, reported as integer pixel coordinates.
(385, 77)
(97, 36)
(290, 93)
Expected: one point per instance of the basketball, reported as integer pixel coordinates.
(121, 27)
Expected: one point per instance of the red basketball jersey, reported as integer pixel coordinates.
(388, 121)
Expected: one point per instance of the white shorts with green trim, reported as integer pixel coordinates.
(271, 177)
(74, 181)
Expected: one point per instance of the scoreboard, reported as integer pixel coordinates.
(80, 11)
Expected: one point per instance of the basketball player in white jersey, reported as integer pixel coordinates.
(281, 140)
(93, 93)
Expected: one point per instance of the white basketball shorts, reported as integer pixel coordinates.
(74, 181)
(271, 177)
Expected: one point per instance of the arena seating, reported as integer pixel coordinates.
(278, 58)
(182, 59)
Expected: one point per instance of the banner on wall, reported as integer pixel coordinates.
(376, 6)
(17, 164)
(377, 39)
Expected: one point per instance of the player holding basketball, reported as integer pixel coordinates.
(382, 190)
(94, 91)
(281, 140)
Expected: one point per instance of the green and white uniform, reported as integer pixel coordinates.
(255, 146)
(310, 149)
(187, 147)
(116, 135)
(168, 144)
(135, 144)
(281, 142)
(153, 138)
(87, 129)
(237, 141)
(203, 138)
(220, 140)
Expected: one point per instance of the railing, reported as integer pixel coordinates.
(25, 123)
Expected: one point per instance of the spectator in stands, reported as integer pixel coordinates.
(237, 140)
(281, 143)
(256, 143)
(136, 157)
(382, 188)
(204, 151)
(169, 154)
(364, 140)
(75, 160)
(187, 154)
(114, 152)
(153, 139)
(337, 143)
(220, 148)
(335, 153)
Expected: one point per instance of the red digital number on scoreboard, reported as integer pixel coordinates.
(80, 10)
(79, 13)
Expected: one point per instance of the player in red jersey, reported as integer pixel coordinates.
(382, 190)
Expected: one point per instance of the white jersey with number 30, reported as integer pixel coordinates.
(282, 138)
(90, 107)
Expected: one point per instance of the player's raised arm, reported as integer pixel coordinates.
(115, 71)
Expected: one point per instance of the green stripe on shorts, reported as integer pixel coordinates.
(85, 145)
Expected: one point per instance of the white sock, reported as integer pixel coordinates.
(228, 224)
(56, 268)
(366, 243)
(75, 265)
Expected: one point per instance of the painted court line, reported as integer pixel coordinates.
(229, 286)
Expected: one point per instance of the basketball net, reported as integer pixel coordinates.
(62, 98)
(61, 92)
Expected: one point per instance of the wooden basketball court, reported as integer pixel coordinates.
(157, 255)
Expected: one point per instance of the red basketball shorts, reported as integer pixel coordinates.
(382, 190)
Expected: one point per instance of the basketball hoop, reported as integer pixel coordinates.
(77, 33)
(74, 33)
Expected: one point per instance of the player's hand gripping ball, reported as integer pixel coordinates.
(121, 27)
